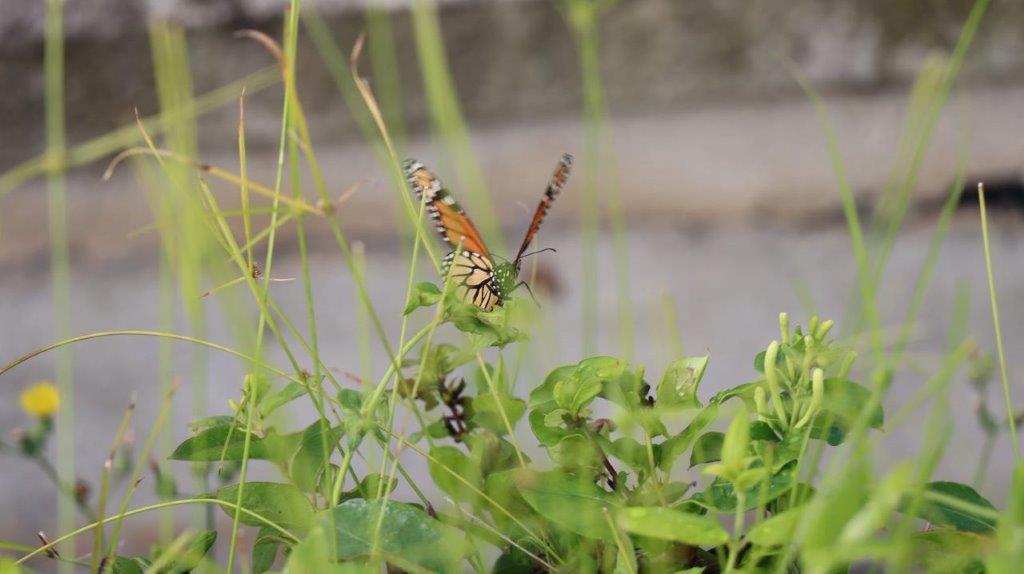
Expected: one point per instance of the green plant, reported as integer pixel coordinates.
(619, 473)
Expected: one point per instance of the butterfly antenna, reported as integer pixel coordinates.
(525, 255)
(530, 291)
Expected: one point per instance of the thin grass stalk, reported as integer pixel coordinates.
(589, 218)
(337, 66)
(601, 164)
(103, 146)
(60, 265)
(362, 320)
(291, 34)
(174, 91)
(447, 119)
(1007, 398)
(101, 505)
(931, 258)
(136, 476)
(384, 63)
(36, 551)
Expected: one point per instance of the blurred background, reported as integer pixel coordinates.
(705, 201)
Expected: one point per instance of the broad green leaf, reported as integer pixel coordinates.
(221, 442)
(762, 431)
(370, 486)
(490, 326)
(406, 534)
(777, 530)
(629, 451)
(542, 398)
(264, 550)
(745, 392)
(846, 400)
(287, 394)
(678, 386)
(576, 452)
(944, 515)
(425, 294)
(544, 428)
(575, 393)
(492, 453)
(666, 453)
(708, 448)
(572, 502)
(281, 503)
(721, 496)
(188, 558)
(780, 453)
(487, 412)
(125, 565)
(319, 440)
(447, 459)
(669, 524)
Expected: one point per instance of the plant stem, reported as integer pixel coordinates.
(60, 266)
(1010, 416)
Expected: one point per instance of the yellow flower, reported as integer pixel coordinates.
(41, 399)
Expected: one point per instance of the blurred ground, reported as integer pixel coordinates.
(727, 186)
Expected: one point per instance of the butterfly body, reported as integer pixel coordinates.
(477, 279)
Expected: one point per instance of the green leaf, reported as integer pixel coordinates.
(318, 442)
(721, 495)
(629, 451)
(487, 412)
(666, 453)
(542, 398)
(575, 393)
(777, 530)
(209, 445)
(287, 394)
(281, 503)
(576, 452)
(490, 326)
(444, 459)
(678, 386)
(264, 551)
(547, 435)
(124, 565)
(425, 294)
(669, 524)
(844, 401)
(572, 502)
(189, 558)
(406, 534)
(944, 515)
(708, 448)
(369, 487)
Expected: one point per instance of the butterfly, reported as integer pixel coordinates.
(476, 278)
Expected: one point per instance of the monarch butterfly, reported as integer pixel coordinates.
(478, 280)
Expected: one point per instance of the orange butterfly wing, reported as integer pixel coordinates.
(449, 218)
(555, 186)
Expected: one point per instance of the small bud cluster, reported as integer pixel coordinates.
(794, 374)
